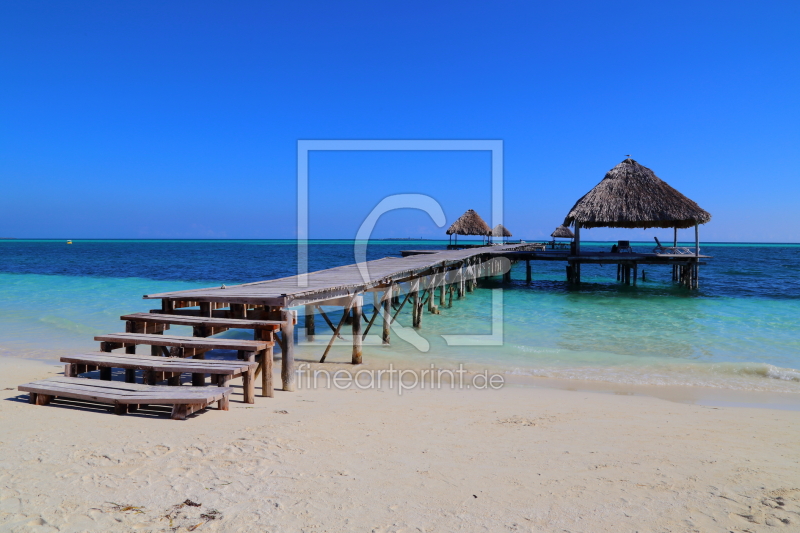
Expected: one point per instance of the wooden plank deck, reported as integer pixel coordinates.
(161, 364)
(189, 320)
(335, 282)
(201, 343)
(122, 395)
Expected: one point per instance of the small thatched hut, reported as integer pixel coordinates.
(470, 223)
(632, 196)
(500, 231)
(562, 232)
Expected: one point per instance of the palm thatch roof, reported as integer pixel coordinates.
(500, 231)
(562, 232)
(470, 223)
(632, 196)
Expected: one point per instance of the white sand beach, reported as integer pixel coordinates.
(516, 459)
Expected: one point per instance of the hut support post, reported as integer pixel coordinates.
(287, 351)
(357, 338)
(577, 238)
(528, 270)
(387, 315)
(442, 291)
(635, 273)
(310, 322)
(697, 240)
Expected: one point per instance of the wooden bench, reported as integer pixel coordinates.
(201, 326)
(127, 397)
(157, 369)
(178, 346)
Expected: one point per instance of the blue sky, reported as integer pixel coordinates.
(181, 119)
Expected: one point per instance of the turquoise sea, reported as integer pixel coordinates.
(740, 330)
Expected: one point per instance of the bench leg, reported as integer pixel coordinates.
(43, 399)
(79, 369)
(105, 373)
(32, 398)
(267, 390)
(175, 380)
(120, 408)
(179, 411)
(130, 375)
(69, 370)
(198, 380)
(248, 380)
(224, 403)
(149, 377)
(132, 407)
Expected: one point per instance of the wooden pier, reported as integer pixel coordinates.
(421, 278)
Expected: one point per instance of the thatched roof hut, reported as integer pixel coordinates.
(632, 196)
(500, 231)
(562, 232)
(470, 223)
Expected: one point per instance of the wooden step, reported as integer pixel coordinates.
(157, 368)
(200, 343)
(187, 320)
(161, 364)
(121, 395)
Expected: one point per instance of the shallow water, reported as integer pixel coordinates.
(739, 330)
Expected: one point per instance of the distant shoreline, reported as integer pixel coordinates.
(387, 239)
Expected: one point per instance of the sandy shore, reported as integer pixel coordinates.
(517, 459)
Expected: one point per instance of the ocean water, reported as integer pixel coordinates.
(738, 331)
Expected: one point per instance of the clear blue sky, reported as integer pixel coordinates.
(181, 119)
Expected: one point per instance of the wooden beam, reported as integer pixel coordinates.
(387, 315)
(287, 355)
(310, 322)
(339, 327)
(357, 338)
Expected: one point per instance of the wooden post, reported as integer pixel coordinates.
(619, 268)
(224, 403)
(697, 240)
(528, 270)
(442, 291)
(675, 237)
(577, 238)
(287, 355)
(415, 309)
(267, 389)
(310, 322)
(357, 339)
(387, 315)
(635, 273)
